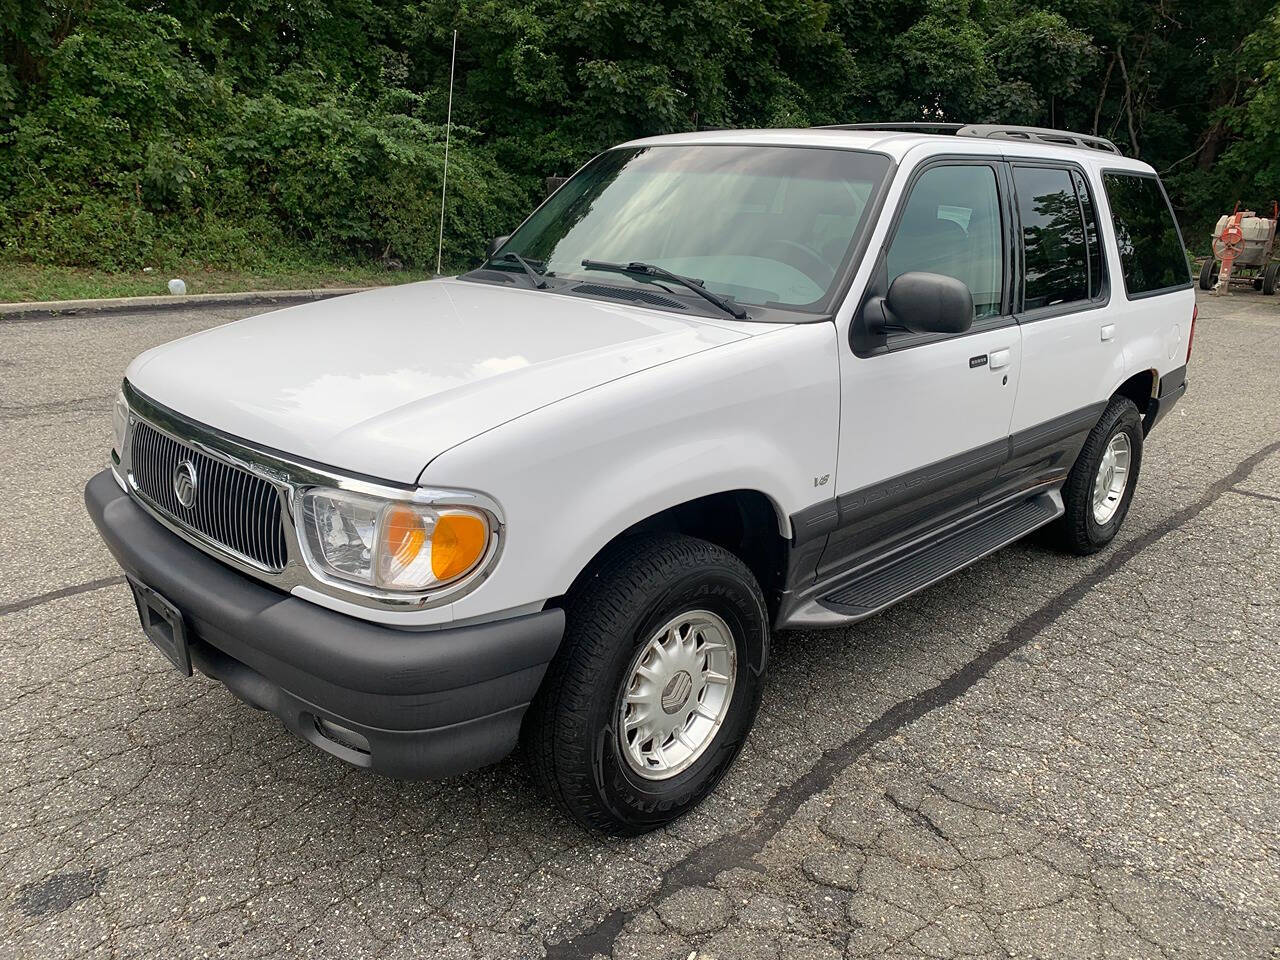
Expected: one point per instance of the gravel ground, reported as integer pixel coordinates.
(1045, 756)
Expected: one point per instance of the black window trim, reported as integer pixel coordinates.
(1104, 276)
(1177, 227)
(864, 344)
(1075, 306)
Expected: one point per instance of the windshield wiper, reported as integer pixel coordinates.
(536, 277)
(635, 267)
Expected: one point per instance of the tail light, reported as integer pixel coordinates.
(1191, 334)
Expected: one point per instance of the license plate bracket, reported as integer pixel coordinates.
(163, 624)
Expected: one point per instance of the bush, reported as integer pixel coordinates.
(137, 154)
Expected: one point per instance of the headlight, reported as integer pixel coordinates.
(120, 421)
(391, 544)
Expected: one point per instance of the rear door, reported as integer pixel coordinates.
(1071, 345)
(925, 417)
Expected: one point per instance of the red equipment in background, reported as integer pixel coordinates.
(1243, 249)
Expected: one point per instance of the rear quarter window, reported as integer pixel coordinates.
(1055, 252)
(1151, 255)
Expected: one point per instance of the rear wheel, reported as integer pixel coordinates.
(1100, 486)
(655, 685)
(1269, 277)
(1208, 274)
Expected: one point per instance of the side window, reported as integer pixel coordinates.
(951, 225)
(1097, 263)
(1151, 255)
(1055, 252)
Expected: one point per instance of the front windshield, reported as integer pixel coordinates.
(771, 226)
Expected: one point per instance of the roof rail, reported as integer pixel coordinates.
(1057, 138)
(990, 131)
(906, 127)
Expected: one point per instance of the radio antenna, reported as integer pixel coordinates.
(448, 128)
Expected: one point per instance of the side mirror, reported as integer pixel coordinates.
(495, 244)
(928, 303)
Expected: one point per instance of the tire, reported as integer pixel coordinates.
(1079, 529)
(571, 734)
(1269, 277)
(1208, 274)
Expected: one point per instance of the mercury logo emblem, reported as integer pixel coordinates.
(677, 692)
(185, 483)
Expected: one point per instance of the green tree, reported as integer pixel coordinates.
(135, 132)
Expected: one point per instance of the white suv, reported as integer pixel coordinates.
(718, 384)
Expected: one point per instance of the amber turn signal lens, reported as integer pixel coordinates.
(403, 534)
(457, 543)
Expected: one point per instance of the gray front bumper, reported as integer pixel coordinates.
(425, 703)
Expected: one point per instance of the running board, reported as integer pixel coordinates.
(870, 590)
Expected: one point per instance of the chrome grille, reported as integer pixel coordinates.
(232, 507)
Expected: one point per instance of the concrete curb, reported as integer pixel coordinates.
(48, 310)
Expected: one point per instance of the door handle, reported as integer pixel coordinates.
(1108, 332)
(999, 359)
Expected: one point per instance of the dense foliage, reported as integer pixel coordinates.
(225, 132)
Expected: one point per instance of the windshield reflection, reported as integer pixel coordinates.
(769, 226)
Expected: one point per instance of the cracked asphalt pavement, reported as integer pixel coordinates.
(1043, 756)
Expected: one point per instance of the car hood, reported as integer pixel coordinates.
(381, 382)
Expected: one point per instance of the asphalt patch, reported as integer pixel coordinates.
(59, 892)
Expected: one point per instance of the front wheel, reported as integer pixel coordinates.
(655, 685)
(1100, 486)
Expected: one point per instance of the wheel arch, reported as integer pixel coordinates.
(1140, 388)
(745, 521)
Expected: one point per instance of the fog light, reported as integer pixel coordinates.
(343, 736)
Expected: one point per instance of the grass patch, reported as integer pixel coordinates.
(33, 282)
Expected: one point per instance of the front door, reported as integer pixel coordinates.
(924, 424)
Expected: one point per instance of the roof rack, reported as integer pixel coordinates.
(1058, 138)
(920, 126)
(993, 131)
